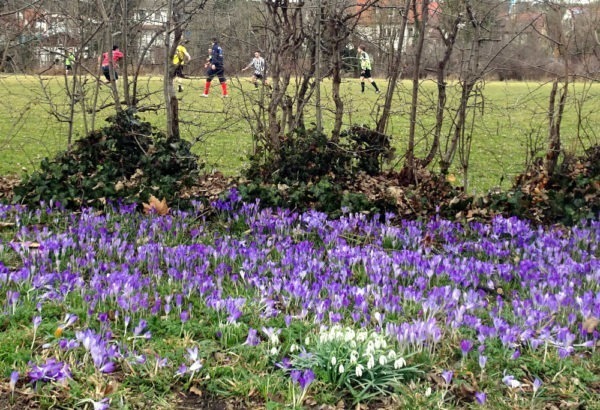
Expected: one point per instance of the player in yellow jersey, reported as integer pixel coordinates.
(179, 59)
(365, 69)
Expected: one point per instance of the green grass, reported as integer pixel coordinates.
(511, 121)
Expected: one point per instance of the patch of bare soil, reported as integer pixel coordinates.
(16, 401)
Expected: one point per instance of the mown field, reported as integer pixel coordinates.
(511, 121)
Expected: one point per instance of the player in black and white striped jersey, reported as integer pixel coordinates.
(260, 69)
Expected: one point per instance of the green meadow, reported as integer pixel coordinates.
(509, 125)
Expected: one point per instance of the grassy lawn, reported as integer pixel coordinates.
(511, 121)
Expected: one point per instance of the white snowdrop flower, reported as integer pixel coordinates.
(370, 347)
(399, 363)
(391, 355)
(274, 339)
(377, 316)
(382, 360)
(383, 343)
(274, 351)
(333, 361)
(371, 362)
(349, 335)
(293, 347)
(428, 392)
(377, 344)
(353, 357)
(361, 336)
(341, 369)
(359, 370)
(353, 344)
(307, 341)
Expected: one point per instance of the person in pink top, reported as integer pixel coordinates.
(116, 56)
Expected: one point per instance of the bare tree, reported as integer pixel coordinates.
(396, 52)
(306, 42)
(18, 19)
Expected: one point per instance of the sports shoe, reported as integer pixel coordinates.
(204, 95)
(376, 91)
(179, 88)
(225, 96)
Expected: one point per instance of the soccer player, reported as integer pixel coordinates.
(215, 68)
(179, 59)
(365, 69)
(260, 69)
(116, 56)
(69, 61)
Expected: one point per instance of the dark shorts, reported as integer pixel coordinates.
(365, 73)
(179, 71)
(217, 72)
(106, 72)
(68, 67)
(258, 76)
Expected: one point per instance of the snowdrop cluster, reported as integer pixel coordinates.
(351, 358)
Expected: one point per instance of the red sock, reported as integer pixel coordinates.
(207, 87)
(224, 88)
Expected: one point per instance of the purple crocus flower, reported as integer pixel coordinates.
(70, 318)
(181, 370)
(482, 361)
(447, 376)
(537, 383)
(184, 316)
(50, 371)
(192, 353)
(306, 379)
(252, 339)
(303, 378)
(103, 404)
(481, 397)
(510, 381)
(286, 363)
(107, 367)
(295, 375)
(14, 377)
(465, 346)
(140, 328)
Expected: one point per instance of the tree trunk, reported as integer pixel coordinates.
(555, 114)
(383, 121)
(449, 42)
(410, 152)
(459, 124)
(106, 21)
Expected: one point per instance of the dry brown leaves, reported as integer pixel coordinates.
(7, 185)
(155, 206)
(209, 186)
(590, 324)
